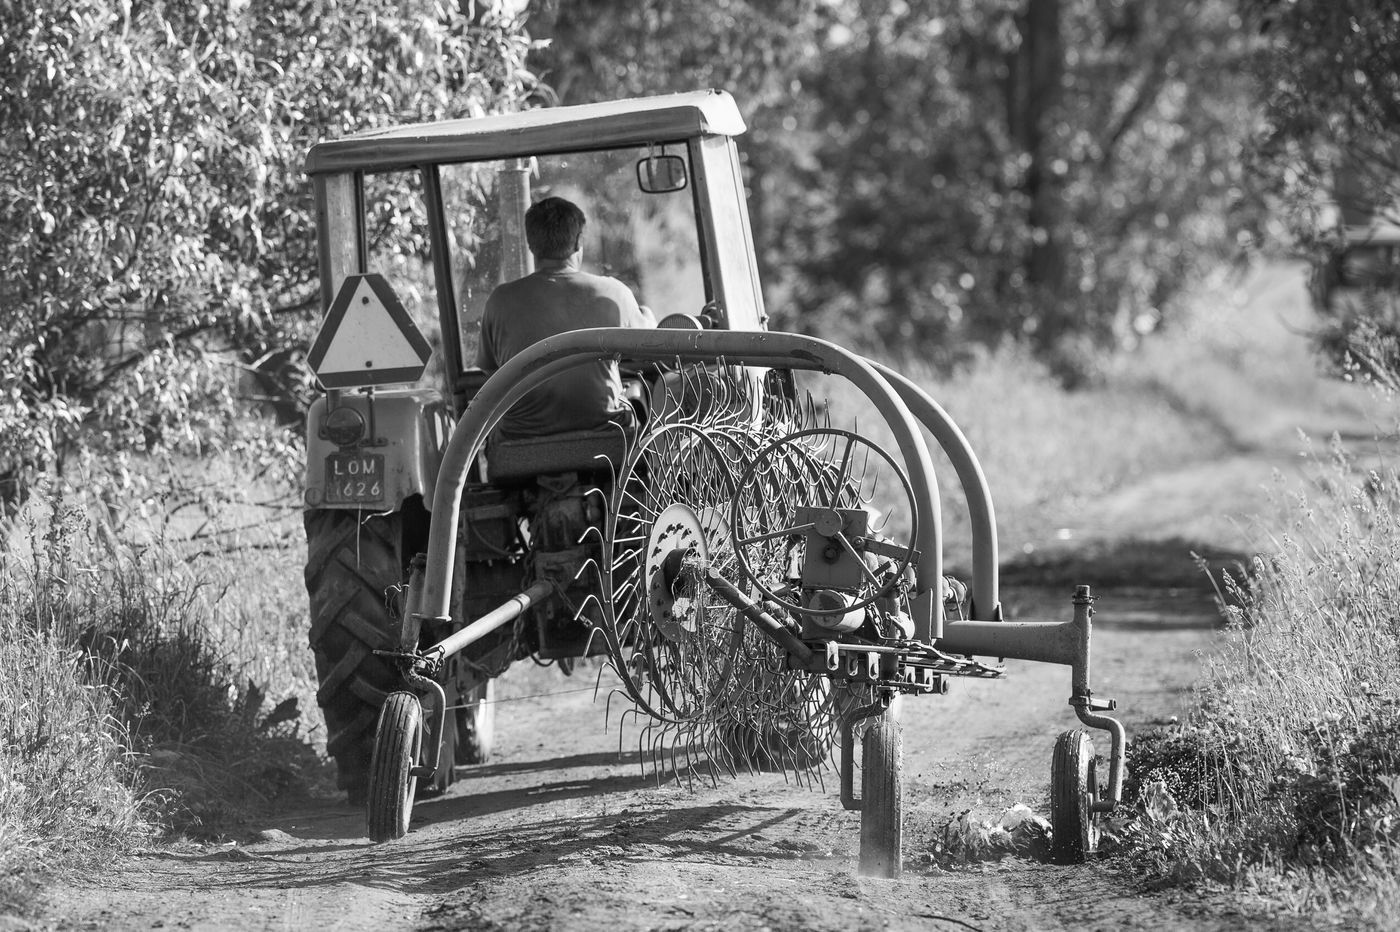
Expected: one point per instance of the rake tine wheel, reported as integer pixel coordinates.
(714, 688)
(676, 668)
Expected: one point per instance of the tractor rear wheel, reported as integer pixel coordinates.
(476, 725)
(352, 563)
(882, 796)
(398, 746)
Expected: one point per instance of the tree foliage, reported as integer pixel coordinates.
(1328, 77)
(1055, 170)
(151, 152)
(937, 173)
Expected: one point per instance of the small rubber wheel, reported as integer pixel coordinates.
(1074, 788)
(398, 742)
(882, 796)
(476, 725)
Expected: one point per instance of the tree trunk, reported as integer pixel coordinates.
(1035, 78)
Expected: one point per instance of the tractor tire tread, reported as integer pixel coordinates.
(352, 561)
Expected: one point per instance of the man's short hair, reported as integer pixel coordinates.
(553, 227)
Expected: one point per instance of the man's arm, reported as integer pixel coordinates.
(486, 338)
(631, 313)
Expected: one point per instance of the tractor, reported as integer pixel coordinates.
(764, 588)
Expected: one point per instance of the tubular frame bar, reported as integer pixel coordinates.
(534, 366)
(986, 595)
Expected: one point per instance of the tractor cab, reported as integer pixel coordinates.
(438, 210)
(417, 225)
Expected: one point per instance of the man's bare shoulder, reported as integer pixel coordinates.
(603, 284)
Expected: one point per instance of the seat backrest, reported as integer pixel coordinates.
(583, 451)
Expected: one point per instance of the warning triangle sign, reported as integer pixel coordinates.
(367, 337)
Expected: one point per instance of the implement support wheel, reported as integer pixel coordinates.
(882, 796)
(398, 742)
(1074, 788)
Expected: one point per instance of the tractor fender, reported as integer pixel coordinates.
(407, 428)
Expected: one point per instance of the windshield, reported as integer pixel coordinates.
(648, 241)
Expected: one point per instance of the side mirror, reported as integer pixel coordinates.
(661, 174)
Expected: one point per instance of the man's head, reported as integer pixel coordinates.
(553, 227)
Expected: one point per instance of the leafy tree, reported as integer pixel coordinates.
(1054, 170)
(162, 243)
(599, 49)
(938, 173)
(1328, 74)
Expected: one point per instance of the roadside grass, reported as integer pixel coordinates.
(143, 689)
(66, 777)
(1285, 779)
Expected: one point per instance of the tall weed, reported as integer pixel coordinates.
(1287, 775)
(123, 711)
(67, 778)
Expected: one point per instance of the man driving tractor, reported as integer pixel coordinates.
(556, 298)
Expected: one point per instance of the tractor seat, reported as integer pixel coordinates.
(584, 451)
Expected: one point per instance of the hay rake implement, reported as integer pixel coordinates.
(765, 587)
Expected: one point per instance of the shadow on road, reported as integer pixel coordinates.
(427, 862)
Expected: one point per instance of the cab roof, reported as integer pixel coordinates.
(610, 124)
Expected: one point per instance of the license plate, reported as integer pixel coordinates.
(354, 478)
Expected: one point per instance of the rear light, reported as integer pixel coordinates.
(343, 426)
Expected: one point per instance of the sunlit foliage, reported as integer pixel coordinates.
(159, 246)
(936, 173)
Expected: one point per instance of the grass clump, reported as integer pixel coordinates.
(1286, 777)
(67, 786)
(121, 714)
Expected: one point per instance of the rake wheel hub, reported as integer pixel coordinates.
(675, 544)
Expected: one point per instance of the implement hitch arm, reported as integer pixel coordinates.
(1050, 642)
(419, 661)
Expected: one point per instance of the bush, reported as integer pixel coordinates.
(120, 717)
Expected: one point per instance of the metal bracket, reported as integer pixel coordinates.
(428, 768)
(1089, 703)
(849, 800)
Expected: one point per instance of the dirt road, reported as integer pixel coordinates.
(562, 832)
